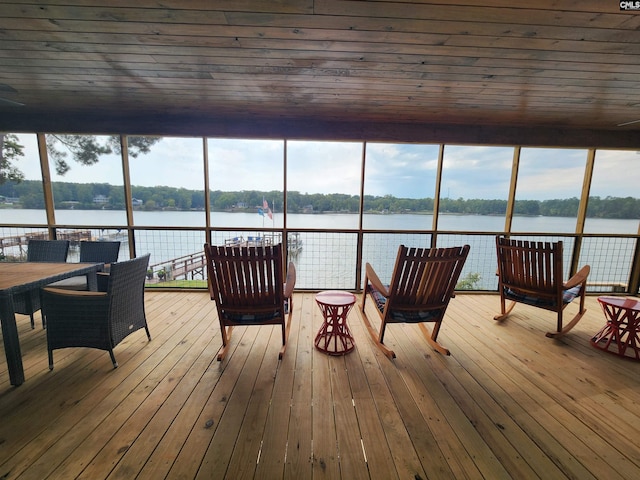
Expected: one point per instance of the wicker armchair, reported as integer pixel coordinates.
(92, 252)
(28, 303)
(98, 319)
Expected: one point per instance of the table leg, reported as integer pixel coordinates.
(11, 341)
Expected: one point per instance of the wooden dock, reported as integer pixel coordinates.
(187, 267)
(21, 241)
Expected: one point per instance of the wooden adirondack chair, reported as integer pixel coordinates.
(531, 273)
(422, 284)
(248, 287)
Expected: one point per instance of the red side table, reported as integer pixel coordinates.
(334, 337)
(621, 334)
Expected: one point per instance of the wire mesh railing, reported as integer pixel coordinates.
(330, 259)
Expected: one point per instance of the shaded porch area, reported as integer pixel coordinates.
(507, 403)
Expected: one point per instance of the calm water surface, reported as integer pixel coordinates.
(328, 260)
(476, 223)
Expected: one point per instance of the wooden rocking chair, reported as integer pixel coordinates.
(422, 284)
(531, 273)
(247, 285)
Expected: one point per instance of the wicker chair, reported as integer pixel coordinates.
(98, 319)
(28, 303)
(92, 252)
(422, 284)
(248, 287)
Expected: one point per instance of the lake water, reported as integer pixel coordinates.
(328, 260)
(476, 223)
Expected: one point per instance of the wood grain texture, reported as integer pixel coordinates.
(508, 402)
(559, 73)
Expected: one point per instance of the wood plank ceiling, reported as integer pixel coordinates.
(548, 72)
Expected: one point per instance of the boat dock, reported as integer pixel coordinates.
(21, 241)
(188, 267)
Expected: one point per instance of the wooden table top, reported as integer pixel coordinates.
(17, 276)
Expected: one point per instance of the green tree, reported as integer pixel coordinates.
(10, 152)
(87, 149)
(84, 149)
(469, 282)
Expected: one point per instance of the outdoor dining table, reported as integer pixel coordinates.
(22, 277)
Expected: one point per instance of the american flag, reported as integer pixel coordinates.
(265, 207)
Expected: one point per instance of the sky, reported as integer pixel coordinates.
(400, 170)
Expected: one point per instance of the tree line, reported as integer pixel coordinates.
(28, 194)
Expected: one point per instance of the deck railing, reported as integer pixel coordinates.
(335, 259)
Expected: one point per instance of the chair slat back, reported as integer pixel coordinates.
(425, 277)
(246, 279)
(530, 267)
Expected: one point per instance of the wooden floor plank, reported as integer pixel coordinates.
(101, 449)
(536, 376)
(274, 441)
(512, 394)
(508, 403)
(352, 461)
(368, 393)
(217, 458)
(180, 383)
(246, 454)
(325, 454)
(187, 462)
(77, 396)
(298, 462)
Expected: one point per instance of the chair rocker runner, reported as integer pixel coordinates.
(531, 273)
(422, 284)
(82, 318)
(248, 287)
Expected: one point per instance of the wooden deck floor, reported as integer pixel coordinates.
(508, 402)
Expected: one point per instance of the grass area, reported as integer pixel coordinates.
(178, 284)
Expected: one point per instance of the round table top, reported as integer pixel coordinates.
(336, 298)
(622, 302)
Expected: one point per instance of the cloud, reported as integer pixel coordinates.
(401, 170)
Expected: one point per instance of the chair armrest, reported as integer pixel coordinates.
(580, 277)
(373, 278)
(290, 281)
(74, 293)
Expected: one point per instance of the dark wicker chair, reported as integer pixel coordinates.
(28, 303)
(98, 319)
(248, 287)
(92, 252)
